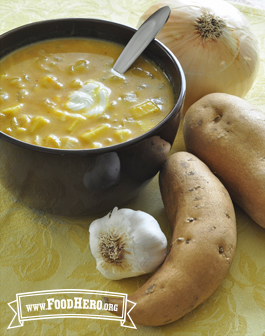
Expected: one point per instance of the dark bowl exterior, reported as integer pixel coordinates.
(82, 182)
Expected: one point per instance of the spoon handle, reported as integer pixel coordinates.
(141, 39)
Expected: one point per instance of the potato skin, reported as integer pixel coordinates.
(203, 243)
(228, 134)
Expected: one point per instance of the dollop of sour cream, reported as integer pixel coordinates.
(92, 98)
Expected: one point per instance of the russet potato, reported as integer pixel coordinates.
(228, 134)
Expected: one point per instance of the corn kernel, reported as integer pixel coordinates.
(15, 82)
(20, 131)
(22, 94)
(37, 123)
(60, 115)
(14, 122)
(80, 65)
(144, 109)
(3, 97)
(3, 76)
(57, 99)
(89, 136)
(23, 120)
(37, 140)
(76, 84)
(145, 125)
(48, 104)
(97, 145)
(50, 81)
(52, 141)
(122, 135)
(117, 79)
(47, 81)
(68, 142)
(8, 131)
(58, 85)
(12, 111)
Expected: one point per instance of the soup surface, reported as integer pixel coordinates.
(64, 94)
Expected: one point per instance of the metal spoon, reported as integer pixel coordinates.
(142, 38)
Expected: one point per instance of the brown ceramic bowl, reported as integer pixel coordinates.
(75, 182)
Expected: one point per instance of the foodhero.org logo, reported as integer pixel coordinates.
(69, 303)
(76, 303)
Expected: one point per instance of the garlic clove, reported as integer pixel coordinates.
(127, 243)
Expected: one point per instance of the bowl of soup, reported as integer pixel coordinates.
(76, 137)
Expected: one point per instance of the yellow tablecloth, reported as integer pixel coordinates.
(42, 252)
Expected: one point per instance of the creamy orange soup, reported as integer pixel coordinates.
(64, 94)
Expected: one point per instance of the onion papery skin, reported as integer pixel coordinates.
(227, 64)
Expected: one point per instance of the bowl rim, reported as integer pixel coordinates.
(112, 148)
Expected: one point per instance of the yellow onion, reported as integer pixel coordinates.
(213, 42)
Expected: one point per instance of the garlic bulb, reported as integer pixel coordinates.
(214, 44)
(127, 243)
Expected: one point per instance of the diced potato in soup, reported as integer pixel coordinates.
(64, 94)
